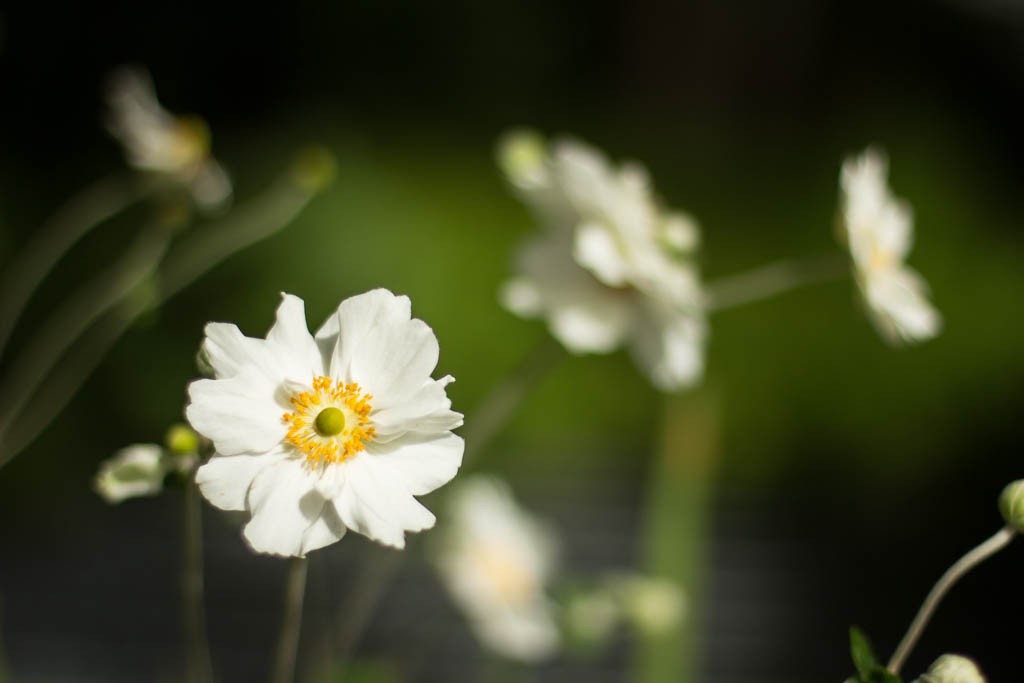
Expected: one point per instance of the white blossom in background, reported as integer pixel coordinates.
(610, 267)
(158, 142)
(316, 435)
(133, 472)
(878, 229)
(496, 560)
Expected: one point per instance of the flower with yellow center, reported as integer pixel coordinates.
(156, 141)
(878, 229)
(496, 561)
(314, 435)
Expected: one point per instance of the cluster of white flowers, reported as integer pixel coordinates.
(878, 229)
(314, 435)
(156, 141)
(611, 266)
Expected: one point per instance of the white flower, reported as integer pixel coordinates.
(878, 229)
(132, 472)
(316, 435)
(156, 141)
(496, 561)
(610, 267)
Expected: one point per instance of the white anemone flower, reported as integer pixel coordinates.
(496, 560)
(158, 142)
(611, 267)
(134, 471)
(316, 435)
(878, 229)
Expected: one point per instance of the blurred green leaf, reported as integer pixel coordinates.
(864, 660)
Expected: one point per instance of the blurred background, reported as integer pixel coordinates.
(849, 474)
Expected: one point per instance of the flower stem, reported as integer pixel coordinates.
(288, 643)
(768, 281)
(80, 310)
(260, 218)
(501, 402)
(89, 208)
(198, 667)
(5, 674)
(972, 559)
(676, 530)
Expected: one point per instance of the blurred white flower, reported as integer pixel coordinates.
(156, 141)
(878, 229)
(610, 267)
(134, 471)
(496, 560)
(316, 435)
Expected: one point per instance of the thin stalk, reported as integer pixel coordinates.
(768, 281)
(5, 674)
(79, 311)
(248, 224)
(198, 667)
(677, 531)
(288, 642)
(965, 564)
(89, 208)
(498, 406)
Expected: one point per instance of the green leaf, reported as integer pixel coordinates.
(864, 659)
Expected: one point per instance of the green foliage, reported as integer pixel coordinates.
(869, 670)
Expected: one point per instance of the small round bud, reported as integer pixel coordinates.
(521, 155)
(1011, 504)
(181, 440)
(330, 422)
(315, 168)
(953, 669)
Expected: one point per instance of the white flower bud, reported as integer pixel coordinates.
(953, 669)
(135, 471)
(1011, 504)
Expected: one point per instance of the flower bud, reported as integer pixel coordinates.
(134, 471)
(952, 669)
(590, 617)
(521, 155)
(181, 440)
(315, 168)
(1011, 504)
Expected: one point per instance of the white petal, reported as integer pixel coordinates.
(428, 411)
(211, 186)
(377, 506)
(669, 346)
(327, 529)
(899, 307)
(421, 464)
(590, 324)
(238, 414)
(356, 318)
(225, 479)
(293, 346)
(229, 351)
(596, 250)
(284, 505)
(522, 297)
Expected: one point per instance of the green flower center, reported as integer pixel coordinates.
(330, 421)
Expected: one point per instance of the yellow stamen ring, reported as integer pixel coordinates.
(329, 424)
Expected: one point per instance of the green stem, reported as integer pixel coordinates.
(498, 406)
(248, 224)
(79, 311)
(771, 280)
(94, 205)
(965, 564)
(676, 530)
(291, 622)
(5, 674)
(198, 668)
